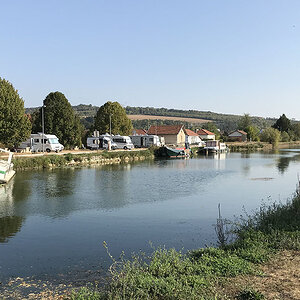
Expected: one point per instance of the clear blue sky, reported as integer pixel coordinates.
(224, 56)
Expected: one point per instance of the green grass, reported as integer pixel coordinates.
(171, 274)
(245, 147)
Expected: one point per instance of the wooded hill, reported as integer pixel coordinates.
(226, 122)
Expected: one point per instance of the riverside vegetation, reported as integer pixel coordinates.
(70, 159)
(205, 273)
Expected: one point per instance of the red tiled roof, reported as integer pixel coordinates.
(204, 132)
(139, 132)
(164, 129)
(190, 132)
(242, 132)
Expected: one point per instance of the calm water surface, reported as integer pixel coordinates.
(55, 221)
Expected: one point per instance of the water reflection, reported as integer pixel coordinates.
(15, 192)
(9, 226)
(283, 162)
(58, 218)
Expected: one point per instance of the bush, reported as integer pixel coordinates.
(285, 137)
(270, 135)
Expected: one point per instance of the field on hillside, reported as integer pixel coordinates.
(148, 117)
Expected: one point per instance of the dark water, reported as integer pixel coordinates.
(55, 221)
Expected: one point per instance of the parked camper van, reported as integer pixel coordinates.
(122, 142)
(39, 142)
(145, 141)
(100, 142)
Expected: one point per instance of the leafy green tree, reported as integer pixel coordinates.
(282, 124)
(112, 113)
(59, 119)
(285, 137)
(14, 123)
(270, 135)
(295, 131)
(252, 133)
(244, 122)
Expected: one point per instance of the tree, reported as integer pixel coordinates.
(14, 123)
(282, 124)
(296, 131)
(285, 137)
(252, 133)
(244, 122)
(270, 135)
(112, 113)
(59, 119)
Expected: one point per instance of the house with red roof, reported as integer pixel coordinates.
(192, 137)
(139, 132)
(172, 134)
(238, 136)
(206, 134)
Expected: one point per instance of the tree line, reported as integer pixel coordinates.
(73, 126)
(58, 118)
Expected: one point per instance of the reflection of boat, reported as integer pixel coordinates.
(215, 146)
(175, 153)
(6, 168)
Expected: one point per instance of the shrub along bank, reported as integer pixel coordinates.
(204, 273)
(70, 159)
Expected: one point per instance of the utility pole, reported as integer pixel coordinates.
(43, 127)
(110, 124)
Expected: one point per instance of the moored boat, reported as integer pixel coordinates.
(214, 146)
(6, 168)
(175, 153)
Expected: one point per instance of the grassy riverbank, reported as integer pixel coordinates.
(257, 146)
(72, 160)
(268, 237)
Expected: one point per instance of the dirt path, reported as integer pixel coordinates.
(280, 279)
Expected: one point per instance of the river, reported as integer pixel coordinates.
(55, 221)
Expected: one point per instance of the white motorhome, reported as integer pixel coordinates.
(39, 143)
(145, 141)
(122, 142)
(97, 141)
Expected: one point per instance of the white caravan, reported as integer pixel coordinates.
(122, 142)
(100, 142)
(39, 143)
(145, 141)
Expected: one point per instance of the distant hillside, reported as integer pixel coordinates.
(225, 122)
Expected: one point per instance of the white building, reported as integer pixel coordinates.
(206, 135)
(192, 137)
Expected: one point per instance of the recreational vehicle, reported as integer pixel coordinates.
(122, 142)
(40, 143)
(145, 141)
(100, 142)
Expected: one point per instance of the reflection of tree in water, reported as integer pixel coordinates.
(54, 192)
(9, 226)
(284, 161)
(22, 186)
(59, 183)
(283, 164)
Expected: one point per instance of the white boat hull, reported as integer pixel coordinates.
(5, 178)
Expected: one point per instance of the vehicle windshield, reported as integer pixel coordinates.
(53, 141)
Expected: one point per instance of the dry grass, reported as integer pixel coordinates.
(150, 117)
(280, 279)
